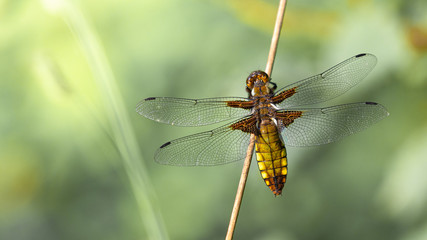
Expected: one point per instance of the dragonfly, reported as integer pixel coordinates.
(275, 117)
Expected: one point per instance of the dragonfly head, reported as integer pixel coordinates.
(257, 79)
(257, 82)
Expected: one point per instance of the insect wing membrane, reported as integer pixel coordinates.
(190, 112)
(219, 146)
(327, 85)
(317, 126)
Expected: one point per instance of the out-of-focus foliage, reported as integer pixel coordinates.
(62, 176)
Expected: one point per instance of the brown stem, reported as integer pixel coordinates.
(240, 189)
(248, 159)
(275, 38)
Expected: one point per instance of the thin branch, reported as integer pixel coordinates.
(275, 39)
(249, 153)
(240, 189)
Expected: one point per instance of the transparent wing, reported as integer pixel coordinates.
(324, 125)
(219, 146)
(190, 112)
(329, 84)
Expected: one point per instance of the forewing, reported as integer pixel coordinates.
(192, 112)
(317, 126)
(327, 85)
(222, 145)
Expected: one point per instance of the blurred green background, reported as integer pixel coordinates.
(76, 160)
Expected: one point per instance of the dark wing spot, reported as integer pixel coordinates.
(360, 55)
(247, 125)
(150, 98)
(283, 95)
(240, 104)
(166, 144)
(371, 103)
(286, 118)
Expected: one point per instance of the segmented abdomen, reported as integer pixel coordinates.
(271, 156)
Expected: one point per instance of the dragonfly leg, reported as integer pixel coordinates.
(274, 86)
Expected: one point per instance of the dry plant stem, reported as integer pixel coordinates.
(248, 159)
(240, 189)
(275, 39)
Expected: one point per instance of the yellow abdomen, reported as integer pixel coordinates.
(271, 156)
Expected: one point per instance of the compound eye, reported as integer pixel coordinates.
(263, 76)
(250, 82)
